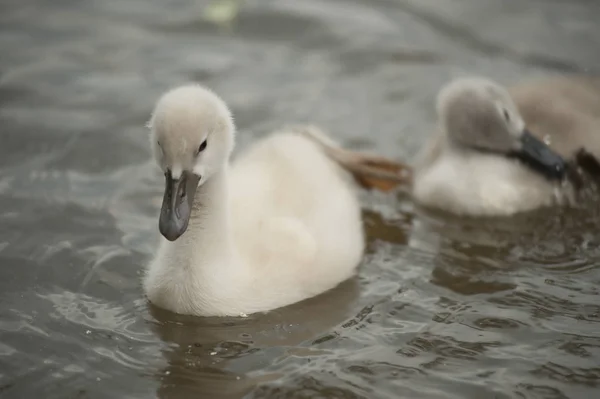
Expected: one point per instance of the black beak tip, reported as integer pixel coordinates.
(538, 155)
(171, 232)
(170, 237)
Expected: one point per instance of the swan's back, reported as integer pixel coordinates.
(564, 111)
(294, 209)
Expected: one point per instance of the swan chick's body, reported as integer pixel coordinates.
(278, 225)
(492, 155)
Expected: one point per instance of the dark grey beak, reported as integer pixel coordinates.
(538, 156)
(177, 204)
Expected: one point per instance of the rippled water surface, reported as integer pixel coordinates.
(442, 307)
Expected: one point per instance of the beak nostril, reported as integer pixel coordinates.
(182, 190)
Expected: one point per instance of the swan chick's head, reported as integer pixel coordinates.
(192, 137)
(479, 114)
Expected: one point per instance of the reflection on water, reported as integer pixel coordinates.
(443, 307)
(219, 356)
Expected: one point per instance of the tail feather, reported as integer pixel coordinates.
(370, 171)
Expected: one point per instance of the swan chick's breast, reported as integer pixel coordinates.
(482, 185)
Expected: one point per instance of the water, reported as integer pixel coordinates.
(442, 307)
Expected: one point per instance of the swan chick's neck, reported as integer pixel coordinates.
(199, 270)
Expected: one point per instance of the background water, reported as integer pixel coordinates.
(442, 307)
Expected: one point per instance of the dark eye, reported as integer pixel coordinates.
(202, 147)
(506, 115)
